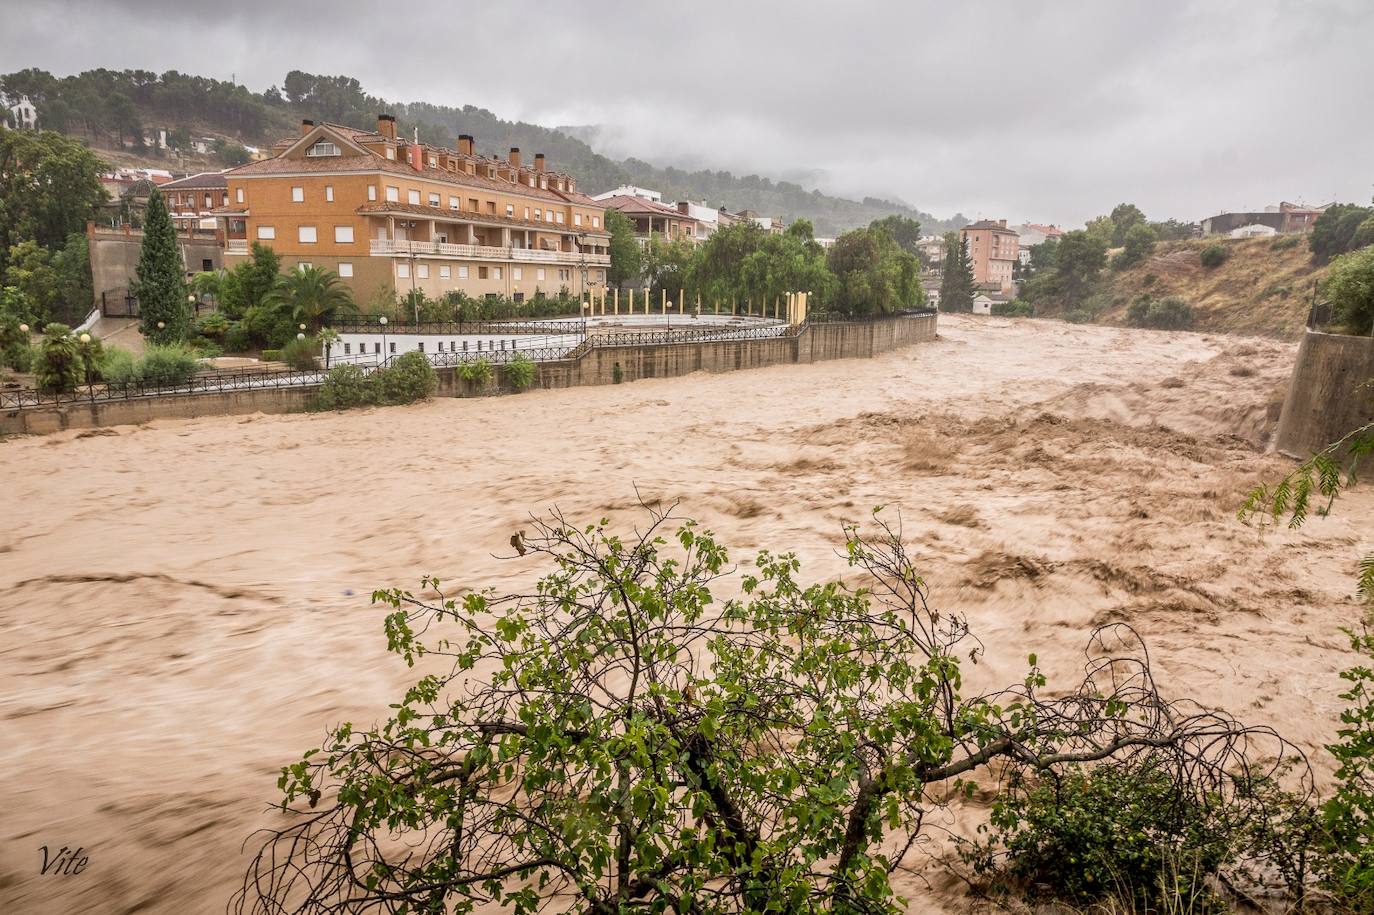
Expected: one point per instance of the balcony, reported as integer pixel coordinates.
(236, 246)
(385, 247)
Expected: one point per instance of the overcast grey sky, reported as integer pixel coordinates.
(1051, 112)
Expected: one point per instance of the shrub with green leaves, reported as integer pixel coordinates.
(1128, 833)
(167, 366)
(1213, 256)
(214, 325)
(237, 339)
(409, 377)
(346, 386)
(301, 355)
(1170, 313)
(477, 373)
(1345, 858)
(118, 366)
(520, 372)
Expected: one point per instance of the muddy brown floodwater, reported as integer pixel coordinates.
(183, 605)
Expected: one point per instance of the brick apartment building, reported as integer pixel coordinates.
(389, 216)
(193, 200)
(993, 248)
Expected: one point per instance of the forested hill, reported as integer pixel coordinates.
(112, 108)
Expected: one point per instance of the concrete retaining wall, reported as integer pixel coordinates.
(597, 366)
(1325, 399)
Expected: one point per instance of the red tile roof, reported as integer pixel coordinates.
(203, 180)
(414, 209)
(627, 204)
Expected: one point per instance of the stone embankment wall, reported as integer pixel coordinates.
(599, 365)
(1330, 392)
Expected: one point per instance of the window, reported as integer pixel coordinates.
(472, 204)
(538, 215)
(433, 162)
(518, 297)
(348, 349)
(207, 265)
(527, 212)
(372, 192)
(306, 235)
(266, 233)
(434, 200)
(392, 347)
(517, 273)
(496, 273)
(376, 348)
(304, 265)
(298, 195)
(238, 194)
(422, 271)
(596, 222)
(510, 209)
(393, 194)
(420, 347)
(445, 272)
(329, 192)
(539, 273)
(481, 273)
(412, 196)
(343, 235)
(345, 269)
(462, 273)
(491, 207)
(441, 346)
(403, 271)
(391, 154)
(577, 219)
(322, 148)
(453, 203)
(558, 217)
(209, 201)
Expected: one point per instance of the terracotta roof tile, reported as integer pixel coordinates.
(204, 179)
(413, 209)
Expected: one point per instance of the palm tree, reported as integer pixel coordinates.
(207, 283)
(313, 294)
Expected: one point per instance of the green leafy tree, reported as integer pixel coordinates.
(312, 296)
(16, 314)
(1139, 244)
(1346, 857)
(1349, 286)
(873, 275)
(957, 284)
(665, 265)
(49, 188)
(248, 284)
(624, 250)
(161, 278)
(1124, 218)
(1334, 231)
(905, 231)
(1079, 259)
(619, 740)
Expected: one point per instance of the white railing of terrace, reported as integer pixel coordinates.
(386, 247)
(236, 246)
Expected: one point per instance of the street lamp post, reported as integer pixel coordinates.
(385, 351)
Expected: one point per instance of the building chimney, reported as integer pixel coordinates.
(386, 126)
(465, 144)
(1002, 223)
(515, 158)
(307, 125)
(539, 162)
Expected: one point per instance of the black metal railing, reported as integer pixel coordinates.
(695, 335)
(839, 317)
(209, 383)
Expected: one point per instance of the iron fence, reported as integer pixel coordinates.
(367, 325)
(211, 383)
(839, 317)
(664, 337)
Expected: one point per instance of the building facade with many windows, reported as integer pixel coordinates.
(391, 216)
(994, 249)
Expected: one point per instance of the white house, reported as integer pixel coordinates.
(24, 114)
(982, 304)
(708, 218)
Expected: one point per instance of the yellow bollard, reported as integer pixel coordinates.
(615, 300)
(663, 301)
(646, 300)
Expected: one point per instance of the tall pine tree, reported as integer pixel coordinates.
(957, 285)
(161, 283)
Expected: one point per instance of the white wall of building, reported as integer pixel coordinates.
(630, 190)
(370, 348)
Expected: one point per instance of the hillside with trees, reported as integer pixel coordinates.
(114, 110)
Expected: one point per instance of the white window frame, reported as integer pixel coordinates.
(307, 235)
(517, 273)
(452, 202)
(577, 219)
(413, 196)
(422, 271)
(329, 193)
(372, 192)
(298, 194)
(433, 199)
(402, 270)
(238, 194)
(462, 272)
(539, 273)
(445, 271)
(267, 233)
(345, 269)
(393, 194)
(343, 235)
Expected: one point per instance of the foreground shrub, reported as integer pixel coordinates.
(409, 377)
(477, 373)
(1170, 313)
(1213, 256)
(1016, 308)
(119, 366)
(1126, 833)
(237, 339)
(167, 366)
(1350, 289)
(214, 325)
(520, 372)
(346, 386)
(1346, 857)
(301, 354)
(616, 739)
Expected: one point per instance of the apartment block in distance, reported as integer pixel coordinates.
(390, 216)
(993, 248)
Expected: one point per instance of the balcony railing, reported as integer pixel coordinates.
(386, 247)
(236, 246)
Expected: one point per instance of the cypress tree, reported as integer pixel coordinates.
(161, 283)
(956, 286)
